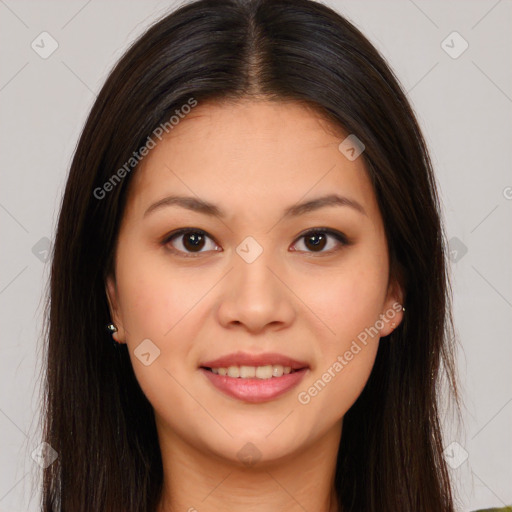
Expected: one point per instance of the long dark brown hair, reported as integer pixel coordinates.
(95, 414)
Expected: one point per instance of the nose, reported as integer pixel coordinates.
(256, 296)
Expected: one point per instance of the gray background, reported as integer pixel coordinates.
(463, 105)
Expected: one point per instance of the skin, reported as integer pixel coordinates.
(253, 159)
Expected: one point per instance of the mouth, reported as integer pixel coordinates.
(254, 378)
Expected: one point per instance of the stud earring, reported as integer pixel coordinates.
(111, 328)
(393, 324)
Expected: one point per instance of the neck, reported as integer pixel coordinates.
(198, 481)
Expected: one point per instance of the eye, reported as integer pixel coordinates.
(188, 241)
(315, 240)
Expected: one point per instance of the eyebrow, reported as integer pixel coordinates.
(206, 208)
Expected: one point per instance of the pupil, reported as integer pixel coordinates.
(193, 240)
(317, 243)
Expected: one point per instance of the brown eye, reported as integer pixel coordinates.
(316, 240)
(189, 241)
(193, 241)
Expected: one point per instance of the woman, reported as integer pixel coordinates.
(252, 212)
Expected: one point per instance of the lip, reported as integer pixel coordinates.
(254, 390)
(245, 359)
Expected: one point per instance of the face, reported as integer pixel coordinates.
(292, 297)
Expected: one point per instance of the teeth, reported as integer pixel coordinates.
(247, 372)
(250, 372)
(233, 371)
(264, 372)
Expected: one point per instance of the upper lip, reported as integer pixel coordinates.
(245, 359)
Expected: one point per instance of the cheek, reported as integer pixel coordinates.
(349, 303)
(347, 299)
(155, 296)
(334, 388)
(160, 303)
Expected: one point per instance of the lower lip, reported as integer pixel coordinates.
(255, 390)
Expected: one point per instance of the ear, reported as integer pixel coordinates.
(392, 314)
(113, 302)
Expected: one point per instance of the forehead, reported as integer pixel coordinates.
(253, 150)
(243, 118)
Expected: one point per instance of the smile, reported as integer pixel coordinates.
(254, 378)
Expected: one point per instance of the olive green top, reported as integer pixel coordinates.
(504, 509)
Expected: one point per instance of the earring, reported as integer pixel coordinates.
(393, 324)
(111, 328)
(403, 309)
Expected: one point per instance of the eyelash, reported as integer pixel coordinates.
(340, 237)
